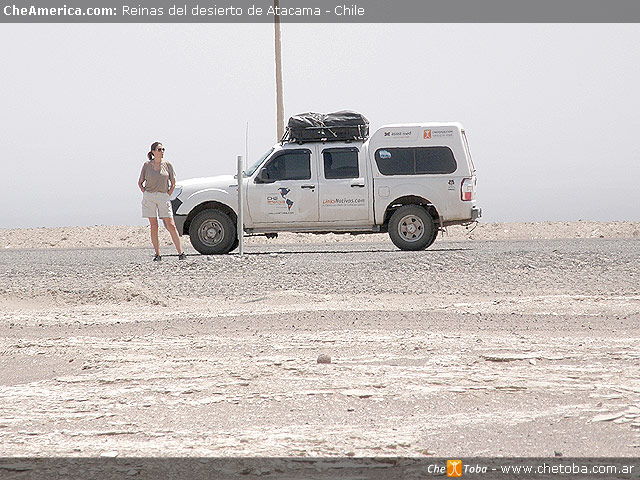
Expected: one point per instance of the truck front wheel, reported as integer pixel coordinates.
(212, 232)
(412, 228)
(433, 237)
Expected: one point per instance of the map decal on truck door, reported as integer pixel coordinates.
(279, 201)
(283, 194)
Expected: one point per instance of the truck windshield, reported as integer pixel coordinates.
(255, 166)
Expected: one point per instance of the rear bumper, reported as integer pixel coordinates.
(475, 214)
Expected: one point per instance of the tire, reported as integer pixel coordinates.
(212, 232)
(412, 228)
(433, 238)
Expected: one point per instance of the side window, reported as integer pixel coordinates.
(435, 160)
(415, 161)
(294, 165)
(395, 161)
(341, 163)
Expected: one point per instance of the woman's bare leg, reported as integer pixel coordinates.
(173, 231)
(153, 222)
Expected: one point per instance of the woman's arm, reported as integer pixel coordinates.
(172, 178)
(141, 180)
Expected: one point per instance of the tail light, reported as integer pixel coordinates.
(467, 189)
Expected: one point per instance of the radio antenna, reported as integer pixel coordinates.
(246, 147)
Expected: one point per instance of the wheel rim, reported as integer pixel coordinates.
(211, 232)
(411, 228)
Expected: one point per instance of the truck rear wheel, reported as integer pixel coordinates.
(212, 232)
(412, 228)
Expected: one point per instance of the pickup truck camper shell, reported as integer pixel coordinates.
(410, 180)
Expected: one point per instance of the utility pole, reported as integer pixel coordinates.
(240, 226)
(279, 98)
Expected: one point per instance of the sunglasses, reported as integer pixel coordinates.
(160, 149)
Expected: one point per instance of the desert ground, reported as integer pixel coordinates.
(505, 340)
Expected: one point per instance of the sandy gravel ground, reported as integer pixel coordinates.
(127, 236)
(471, 348)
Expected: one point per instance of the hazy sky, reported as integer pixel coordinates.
(550, 110)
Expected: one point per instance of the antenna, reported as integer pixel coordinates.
(278, 58)
(246, 147)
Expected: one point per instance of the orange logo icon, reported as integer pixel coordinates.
(427, 134)
(454, 467)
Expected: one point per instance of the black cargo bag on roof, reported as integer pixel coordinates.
(331, 127)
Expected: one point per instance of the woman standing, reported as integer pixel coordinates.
(157, 181)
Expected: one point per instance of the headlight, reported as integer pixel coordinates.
(176, 192)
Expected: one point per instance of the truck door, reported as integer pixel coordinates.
(344, 193)
(285, 189)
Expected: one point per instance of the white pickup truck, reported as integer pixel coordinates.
(408, 180)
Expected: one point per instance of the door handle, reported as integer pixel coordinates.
(307, 186)
(357, 185)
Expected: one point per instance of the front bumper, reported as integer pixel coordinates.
(179, 221)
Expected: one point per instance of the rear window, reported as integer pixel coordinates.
(415, 161)
(340, 163)
(467, 151)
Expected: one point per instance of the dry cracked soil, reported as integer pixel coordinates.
(470, 348)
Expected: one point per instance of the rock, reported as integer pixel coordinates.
(324, 358)
(358, 393)
(112, 454)
(607, 417)
(17, 467)
(508, 357)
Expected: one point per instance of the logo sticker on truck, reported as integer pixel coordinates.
(443, 133)
(384, 154)
(401, 134)
(279, 200)
(343, 202)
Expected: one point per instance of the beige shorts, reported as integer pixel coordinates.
(156, 204)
